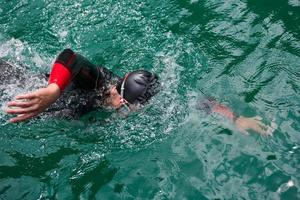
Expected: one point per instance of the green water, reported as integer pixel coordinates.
(245, 53)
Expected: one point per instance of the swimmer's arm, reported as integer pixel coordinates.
(28, 105)
(61, 72)
(70, 66)
(242, 123)
(254, 123)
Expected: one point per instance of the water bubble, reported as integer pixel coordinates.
(284, 187)
(194, 1)
(295, 3)
(77, 5)
(63, 34)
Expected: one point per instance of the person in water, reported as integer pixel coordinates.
(102, 88)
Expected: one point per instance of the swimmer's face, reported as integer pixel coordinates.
(114, 99)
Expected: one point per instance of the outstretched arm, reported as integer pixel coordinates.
(28, 105)
(242, 123)
(66, 67)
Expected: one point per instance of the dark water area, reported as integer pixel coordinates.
(244, 53)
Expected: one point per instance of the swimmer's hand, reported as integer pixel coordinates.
(26, 106)
(254, 123)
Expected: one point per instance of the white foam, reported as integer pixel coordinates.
(16, 51)
(194, 1)
(12, 48)
(284, 187)
(295, 3)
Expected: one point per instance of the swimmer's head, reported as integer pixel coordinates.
(138, 87)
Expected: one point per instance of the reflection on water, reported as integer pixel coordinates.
(243, 53)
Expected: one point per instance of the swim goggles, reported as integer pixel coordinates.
(123, 101)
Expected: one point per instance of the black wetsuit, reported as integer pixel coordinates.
(89, 85)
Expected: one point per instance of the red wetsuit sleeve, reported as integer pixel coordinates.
(210, 105)
(60, 75)
(224, 111)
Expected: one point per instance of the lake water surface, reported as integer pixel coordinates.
(244, 53)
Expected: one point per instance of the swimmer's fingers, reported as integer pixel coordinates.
(274, 125)
(21, 104)
(243, 131)
(30, 95)
(264, 129)
(22, 110)
(270, 129)
(22, 117)
(261, 128)
(257, 118)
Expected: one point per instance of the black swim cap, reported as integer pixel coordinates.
(139, 86)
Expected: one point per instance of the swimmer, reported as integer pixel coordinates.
(102, 88)
(99, 85)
